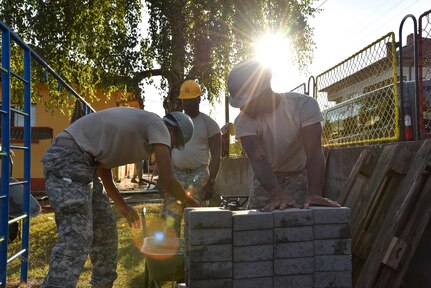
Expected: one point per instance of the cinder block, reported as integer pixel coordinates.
(210, 283)
(331, 231)
(333, 279)
(293, 234)
(333, 263)
(293, 266)
(258, 269)
(210, 253)
(253, 253)
(302, 281)
(254, 237)
(210, 270)
(333, 247)
(293, 249)
(210, 236)
(253, 283)
(209, 217)
(292, 217)
(251, 220)
(330, 215)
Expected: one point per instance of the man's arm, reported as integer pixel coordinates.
(128, 212)
(315, 166)
(263, 171)
(164, 163)
(214, 144)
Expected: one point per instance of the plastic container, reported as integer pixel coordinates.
(164, 258)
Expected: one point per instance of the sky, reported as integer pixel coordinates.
(341, 29)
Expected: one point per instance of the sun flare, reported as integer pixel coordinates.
(274, 51)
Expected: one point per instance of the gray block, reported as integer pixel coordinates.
(297, 281)
(254, 237)
(211, 283)
(210, 217)
(210, 270)
(210, 236)
(253, 283)
(292, 217)
(251, 220)
(293, 249)
(293, 234)
(330, 215)
(333, 279)
(252, 253)
(187, 213)
(333, 263)
(293, 266)
(210, 253)
(331, 231)
(333, 247)
(258, 269)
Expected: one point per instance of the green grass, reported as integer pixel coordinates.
(43, 235)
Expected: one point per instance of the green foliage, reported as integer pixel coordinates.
(98, 44)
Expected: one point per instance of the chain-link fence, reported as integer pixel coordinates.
(359, 97)
(424, 47)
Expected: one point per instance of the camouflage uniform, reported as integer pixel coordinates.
(85, 221)
(192, 181)
(296, 186)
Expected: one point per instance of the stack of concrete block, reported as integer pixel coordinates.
(332, 247)
(208, 241)
(285, 248)
(253, 257)
(293, 248)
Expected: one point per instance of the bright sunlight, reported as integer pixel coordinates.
(273, 50)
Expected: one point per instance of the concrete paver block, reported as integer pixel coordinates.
(253, 283)
(293, 266)
(210, 236)
(302, 280)
(257, 269)
(210, 217)
(333, 263)
(293, 234)
(333, 279)
(253, 253)
(330, 215)
(333, 247)
(210, 253)
(254, 237)
(211, 283)
(331, 231)
(293, 249)
(292, 217)
(251, 220)
(210, 270)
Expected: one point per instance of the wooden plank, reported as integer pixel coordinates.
(397, 212)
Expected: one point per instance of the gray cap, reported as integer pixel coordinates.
(247, 80)
(183, 126)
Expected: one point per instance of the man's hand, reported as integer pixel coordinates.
(319, 201)
(206, 192)
(280, 201)
(130, 214)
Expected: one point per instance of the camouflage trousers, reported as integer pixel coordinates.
(85, 222)
(192, 181)
(295, 185)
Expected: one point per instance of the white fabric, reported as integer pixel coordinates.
(120, 135)
(196, 152)
(280, 130)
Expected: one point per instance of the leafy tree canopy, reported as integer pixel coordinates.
(100, 44)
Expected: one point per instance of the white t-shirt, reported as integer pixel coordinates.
(196, 152)
(280, 130)
(118, 136)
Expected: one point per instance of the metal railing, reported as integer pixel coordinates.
(8, 39)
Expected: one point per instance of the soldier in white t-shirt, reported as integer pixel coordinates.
(281, 134)
(196, 166)
(94, 144)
